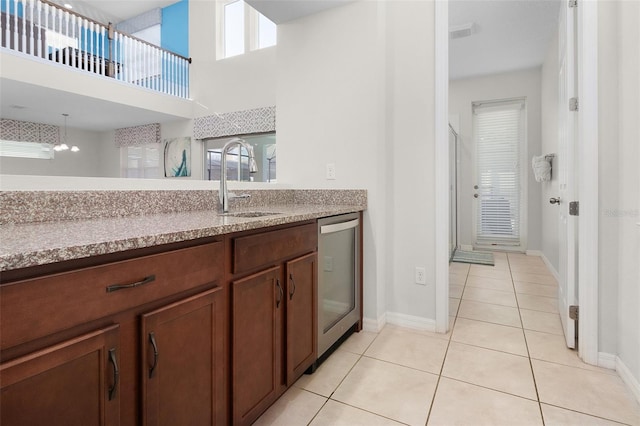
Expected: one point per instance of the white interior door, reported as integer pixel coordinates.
(567, 167)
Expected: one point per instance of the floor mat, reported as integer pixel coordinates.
(477, 257)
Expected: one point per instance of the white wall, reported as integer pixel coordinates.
(619, 146)
(233, 84)
(549, 115)
(86, 162)
(354, 90)
(500, 86)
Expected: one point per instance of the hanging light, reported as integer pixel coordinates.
(63, 146)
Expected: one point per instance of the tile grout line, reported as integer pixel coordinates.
(533, 376)
(345, 376)
(444, 359)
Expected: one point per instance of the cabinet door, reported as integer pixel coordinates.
(183, 359)
(301, 315)
(72, 383)
(258, 305)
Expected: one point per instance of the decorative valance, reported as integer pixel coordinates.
(257, 120)
(27, 131)
(138, 135)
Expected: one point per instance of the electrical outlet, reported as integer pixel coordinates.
(331, 171)
(421, 276)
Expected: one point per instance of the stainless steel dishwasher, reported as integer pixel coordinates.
(338, 278)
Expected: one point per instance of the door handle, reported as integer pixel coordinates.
(554, 200)
(475, 195)
(475, 186)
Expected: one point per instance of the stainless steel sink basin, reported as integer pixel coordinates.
(250, 214)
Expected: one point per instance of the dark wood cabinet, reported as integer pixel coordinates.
(75, 382)
(182, 362)
(258, 307)
(273, 334)
(301, 315)
(56, 369)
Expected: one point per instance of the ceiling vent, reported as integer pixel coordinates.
(460, 31)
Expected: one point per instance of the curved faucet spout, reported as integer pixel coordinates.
(223, 194)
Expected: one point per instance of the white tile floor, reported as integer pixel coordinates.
(504, 363)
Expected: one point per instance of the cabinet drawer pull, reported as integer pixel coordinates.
(293, 287)
(152, 369)
(144, 281)
(116, 373)
(280, 294)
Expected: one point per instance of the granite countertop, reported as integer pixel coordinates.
(38, 243)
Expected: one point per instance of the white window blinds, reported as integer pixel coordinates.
(499, 137)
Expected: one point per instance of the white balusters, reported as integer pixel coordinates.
(81, 43)
(32, 28)
(38, 29)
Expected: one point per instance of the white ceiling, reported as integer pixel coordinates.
(281, 11)
(509, 35)
(27, 102)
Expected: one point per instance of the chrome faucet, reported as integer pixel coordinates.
(224, 195)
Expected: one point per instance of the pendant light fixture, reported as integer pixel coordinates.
(63, 146)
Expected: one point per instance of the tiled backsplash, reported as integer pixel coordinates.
(50, 206)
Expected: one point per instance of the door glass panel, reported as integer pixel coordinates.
(338, 292)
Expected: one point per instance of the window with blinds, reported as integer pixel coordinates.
(499, 132)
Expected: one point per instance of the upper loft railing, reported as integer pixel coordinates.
(45, 30)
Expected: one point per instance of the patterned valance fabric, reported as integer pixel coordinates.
(258, 120)
(138, 135)
(27, 131)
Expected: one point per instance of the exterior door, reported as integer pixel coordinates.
(500, 143)
(567, 182)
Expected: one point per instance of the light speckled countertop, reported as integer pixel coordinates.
(30, 244)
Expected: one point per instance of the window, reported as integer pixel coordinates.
(499, 137)
(142, 161)
(22, 149)
(242, 29)
(264, 148)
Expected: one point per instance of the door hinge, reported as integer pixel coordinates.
(574, 208)
(573, 104)
(574, 312)
(573, 3)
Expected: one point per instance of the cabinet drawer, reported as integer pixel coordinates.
(38, 307)
(265, 249)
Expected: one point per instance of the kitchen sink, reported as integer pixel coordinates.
(250, 214)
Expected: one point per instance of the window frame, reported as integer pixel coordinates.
(251, 29)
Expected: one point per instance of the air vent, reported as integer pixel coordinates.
(460, 31)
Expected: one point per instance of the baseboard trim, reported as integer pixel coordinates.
(606, 360)
(628, 378)
(550, 266)
(466, 247)
(411, 321)
(534, 253)
(374, 325)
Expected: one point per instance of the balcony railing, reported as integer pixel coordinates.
(45, 30)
